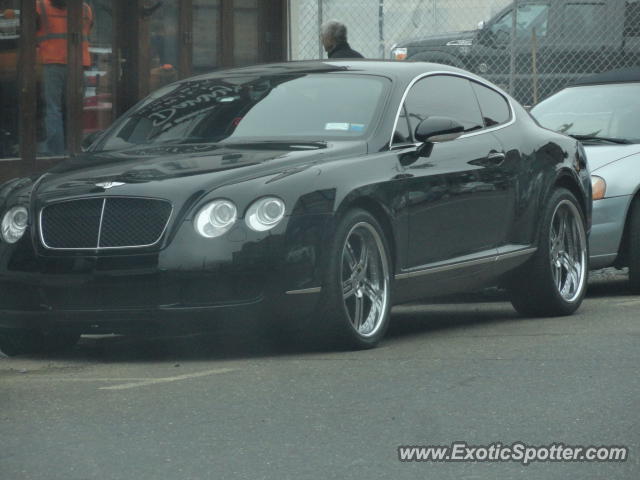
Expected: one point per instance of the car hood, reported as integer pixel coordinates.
(600, 155)
(438, 40)
(178, 171)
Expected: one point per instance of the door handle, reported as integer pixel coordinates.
(496, 158)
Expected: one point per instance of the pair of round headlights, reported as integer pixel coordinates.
(14, 224)
(217, 217)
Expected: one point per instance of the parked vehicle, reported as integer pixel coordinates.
(603, 111)
(317, 192)
(571, 39)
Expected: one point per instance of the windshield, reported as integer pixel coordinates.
(269, 108)
(607, 111)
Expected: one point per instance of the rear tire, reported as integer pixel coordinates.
(634, 247)
(22, 342)
(553, 282)
(357, 289)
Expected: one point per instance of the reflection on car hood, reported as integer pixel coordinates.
(173, 171)
(600, 155)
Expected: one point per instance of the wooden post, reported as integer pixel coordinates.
(75, 76)
(28, 86)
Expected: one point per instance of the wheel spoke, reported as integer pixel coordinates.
(348, 290)
(358, 311)
(557, 268)
(350, 256)
(371, 291)
(563, 226)
(364, 257)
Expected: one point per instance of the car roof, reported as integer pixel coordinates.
(388, 68)
(622, 75)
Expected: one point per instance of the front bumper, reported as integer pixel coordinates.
(189, 285)
(609, 218)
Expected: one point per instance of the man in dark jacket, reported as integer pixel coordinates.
(334, 39)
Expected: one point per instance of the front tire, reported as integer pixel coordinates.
(553, 282)
(357, 287)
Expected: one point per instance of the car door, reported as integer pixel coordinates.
(457, 196)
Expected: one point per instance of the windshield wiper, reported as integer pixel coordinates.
(596, 138)
(304, 144)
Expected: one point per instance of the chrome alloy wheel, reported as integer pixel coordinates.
(568, 251)
(365, 279)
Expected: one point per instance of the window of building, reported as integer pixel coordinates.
(494, 107)
(444, 96)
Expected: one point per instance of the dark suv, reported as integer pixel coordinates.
(559, 40)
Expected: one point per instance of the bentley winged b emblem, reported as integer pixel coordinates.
(108, 185)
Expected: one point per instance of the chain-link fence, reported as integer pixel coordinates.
(531, 48)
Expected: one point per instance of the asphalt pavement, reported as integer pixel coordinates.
(234, 406)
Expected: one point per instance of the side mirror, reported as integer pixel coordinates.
(481, 25)
(438, 129)
(90, 139)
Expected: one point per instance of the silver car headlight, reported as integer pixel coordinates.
(14, 224)
(265, 213)
(216, 218)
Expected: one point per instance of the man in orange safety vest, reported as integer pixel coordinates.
(52, 45)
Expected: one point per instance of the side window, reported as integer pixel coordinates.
(444, 96)
(494, 107)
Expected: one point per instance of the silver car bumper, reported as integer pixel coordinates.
(609, 216)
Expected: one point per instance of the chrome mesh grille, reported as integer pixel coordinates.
(104, 223)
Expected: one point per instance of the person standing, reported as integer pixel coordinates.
(334, 39)
(52, 44)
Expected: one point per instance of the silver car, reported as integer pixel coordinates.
(603, 112)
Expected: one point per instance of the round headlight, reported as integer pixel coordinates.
(216, 218)
(264, 214)
(14, 224)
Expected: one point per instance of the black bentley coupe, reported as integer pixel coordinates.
(306, 194)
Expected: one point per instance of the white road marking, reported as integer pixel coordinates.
(155, 381)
